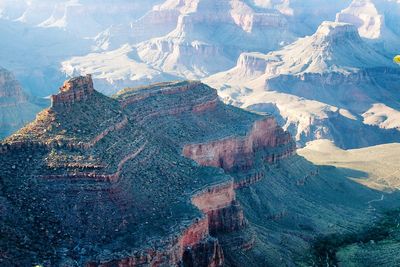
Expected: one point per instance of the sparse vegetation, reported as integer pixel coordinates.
(326, 248)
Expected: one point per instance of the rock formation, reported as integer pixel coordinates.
(73, 90)
(172, 41)
(239, 153)
(121, 170)
(98, 154)
(329, 89)
(373, 20)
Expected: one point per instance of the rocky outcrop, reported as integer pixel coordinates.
(73, 90)
(239, 152)
(226, 220)
(251, 64)
(249, 20)
(206, 253)
(221, 208)
(215, 197)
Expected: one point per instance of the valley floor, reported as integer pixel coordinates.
(376, 167)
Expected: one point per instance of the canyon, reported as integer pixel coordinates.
(168, 40)
(129, 163)
(177, 44)
(147, 40)
(72, 165)
(159, 176)
(316, 89)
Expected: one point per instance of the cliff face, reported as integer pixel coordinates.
(73, 90)
(243, 152)
(223, 212)
(239, 153)
(322, 81)
(366, 86)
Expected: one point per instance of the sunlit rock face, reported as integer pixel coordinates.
(74, 90)
(364, 15)
(374, 21)
(316, 87)
(180, 39)
(193, 49)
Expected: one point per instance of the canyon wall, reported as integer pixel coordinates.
(219, 204)
(239, 152)
(17, 108)
(194, 246)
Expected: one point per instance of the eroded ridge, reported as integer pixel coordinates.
(118, 164)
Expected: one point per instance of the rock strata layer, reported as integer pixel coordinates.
(118, 164)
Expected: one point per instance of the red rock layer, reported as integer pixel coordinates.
(194, 246)
(219, 204)
(216, 197)
(209, 105)
(240, 151)
(73, 90)
(249, 180)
